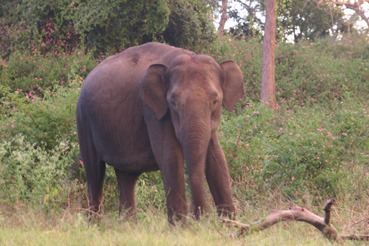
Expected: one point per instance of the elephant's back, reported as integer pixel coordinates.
(126, 68)
(139, 57)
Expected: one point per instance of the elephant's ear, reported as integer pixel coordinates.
(232, 84)
(153, 90)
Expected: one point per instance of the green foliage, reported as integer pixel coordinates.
(189, 24)
(33, 72)
(31, 174)
(102, 26)
(150, 191)
(248, 26)
(307, 74)
(296, 19)
(112, 25)
(43, 120)
(307, 150)
(43, 24)
(309, 20)
(13, 37)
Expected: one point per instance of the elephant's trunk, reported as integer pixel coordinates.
(195, 137)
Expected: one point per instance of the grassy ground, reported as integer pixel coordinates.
(153, 230)
(30, 227)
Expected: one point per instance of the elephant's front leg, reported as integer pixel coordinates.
(172, 171)
(218, 178)
(169, 157)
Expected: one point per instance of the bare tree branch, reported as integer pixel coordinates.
(297, 213)
(354, 6)
(327, 210)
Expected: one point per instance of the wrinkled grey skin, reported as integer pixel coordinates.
(150, 108)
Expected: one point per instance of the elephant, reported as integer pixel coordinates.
(155, 107)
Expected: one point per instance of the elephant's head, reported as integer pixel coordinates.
(192, 89)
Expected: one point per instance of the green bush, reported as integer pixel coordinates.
(189, 24)
(308, 150)
(150, 191)
(111, 26)
(43, 120)
(31, 174)
(13, 37)
(104, 26)
(307, 74)
(33, 72)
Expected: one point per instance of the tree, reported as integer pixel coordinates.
(308, 19)
(113, 25)
(297, 19)
(356, 6)
(248, 26)
(268, 69)
(223, 17)
(190, 25)
(109, 26)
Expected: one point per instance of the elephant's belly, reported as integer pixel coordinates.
(119, 132)
(126, 152)
(131, 162)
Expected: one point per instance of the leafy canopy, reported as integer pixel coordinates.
(104, 25)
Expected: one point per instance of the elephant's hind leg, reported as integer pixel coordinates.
(95, 173)
(94, 166)
(126, 183)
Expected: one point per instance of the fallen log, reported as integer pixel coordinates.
(297, 213)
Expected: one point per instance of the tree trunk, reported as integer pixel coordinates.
(268, 73)
(223, 17)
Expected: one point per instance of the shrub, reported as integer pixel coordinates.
(306, 75)
(32, 72)
(29, 173)
(104, 26)
(109, 27)
(310, 150)
(42, 120)
(189, 24)
(13, 37)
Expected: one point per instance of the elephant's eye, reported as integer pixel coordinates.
(215, 100)
(173, 100)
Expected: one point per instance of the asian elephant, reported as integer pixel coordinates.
(152, 107)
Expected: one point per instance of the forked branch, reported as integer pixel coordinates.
(297, 213)
(354, 5)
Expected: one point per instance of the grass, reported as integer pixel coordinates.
(25, 226)
(128, 236)
(151, 229)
